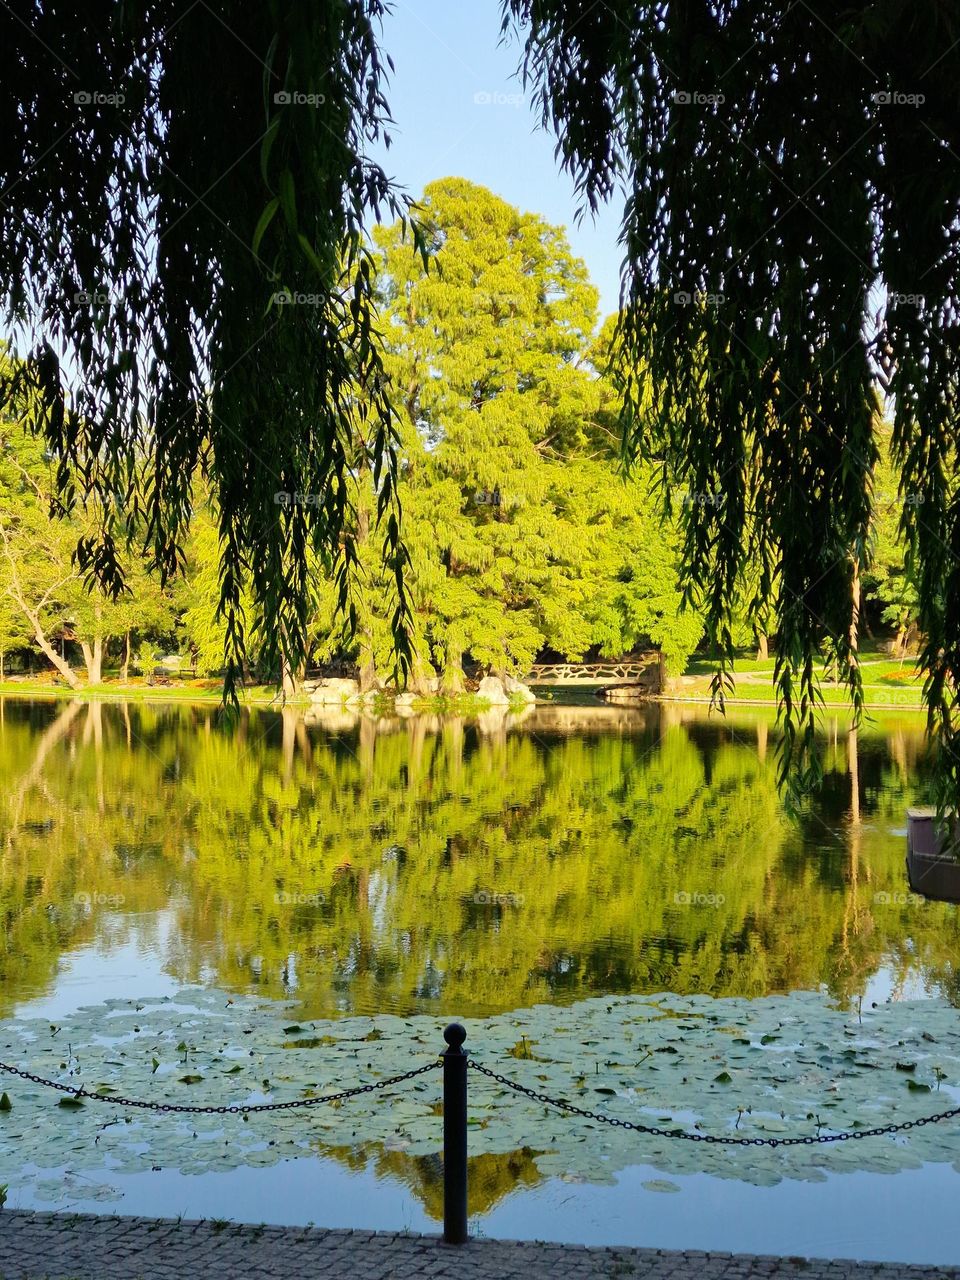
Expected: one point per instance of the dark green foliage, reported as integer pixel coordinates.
(782, 163)
(181, 240)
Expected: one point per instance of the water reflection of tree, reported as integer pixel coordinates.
(366, 869)
(490, 1178)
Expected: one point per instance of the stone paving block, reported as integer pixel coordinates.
(48, 1246)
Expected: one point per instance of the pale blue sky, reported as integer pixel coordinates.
(446, 53)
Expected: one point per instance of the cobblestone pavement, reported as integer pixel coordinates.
(81, 1247)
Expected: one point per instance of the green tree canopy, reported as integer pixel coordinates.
(522, 531)
(486, 346)
(44, 592)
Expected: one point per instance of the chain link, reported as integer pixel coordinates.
(728, 1141)
(236, 1109)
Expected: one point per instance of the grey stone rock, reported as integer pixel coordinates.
(332, 692)
(491, 689)
(517, 689)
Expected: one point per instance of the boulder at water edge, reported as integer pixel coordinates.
(517, 689)
(332, 692)
(491, 690)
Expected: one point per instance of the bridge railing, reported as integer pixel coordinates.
(592, 672)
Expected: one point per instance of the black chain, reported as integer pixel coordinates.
(808, 1141)
(560, 1104)
(234, 1110)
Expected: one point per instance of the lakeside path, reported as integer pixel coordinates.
(51, 1246)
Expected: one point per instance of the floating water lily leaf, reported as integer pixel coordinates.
(70, 1102)
(5, 1103)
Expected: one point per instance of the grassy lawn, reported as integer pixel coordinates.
(887, 682)
(135, 690)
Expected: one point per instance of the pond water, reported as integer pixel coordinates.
(584, 871)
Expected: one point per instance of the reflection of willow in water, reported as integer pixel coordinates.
(440, 867)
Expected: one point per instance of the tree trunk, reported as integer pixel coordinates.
(854, 633)
(421, 674)
(93, 659)
(763, 649)
(368, 664)
(50, 653)
(125, 669)
(291, 686)
(453, 681)
(46, 648)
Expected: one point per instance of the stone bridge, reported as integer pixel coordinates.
(643, 670)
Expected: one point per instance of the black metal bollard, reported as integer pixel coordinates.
(455, 1136)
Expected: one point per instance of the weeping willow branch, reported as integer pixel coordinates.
(184, 194)
(791, 237)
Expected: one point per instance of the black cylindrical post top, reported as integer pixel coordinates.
(455, 1136)
(454, 1035)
